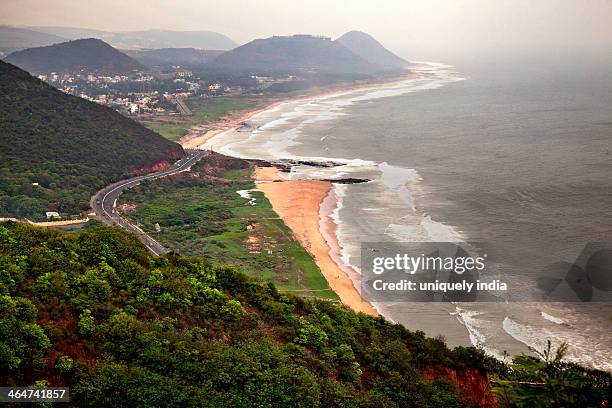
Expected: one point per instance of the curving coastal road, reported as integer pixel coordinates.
(103, 202)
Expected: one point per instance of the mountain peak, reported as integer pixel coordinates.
(368, 48)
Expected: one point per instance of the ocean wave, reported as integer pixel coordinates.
(427, 230)
(476, 330)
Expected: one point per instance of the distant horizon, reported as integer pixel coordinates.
(34, 27)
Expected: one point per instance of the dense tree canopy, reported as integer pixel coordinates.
(96, 312)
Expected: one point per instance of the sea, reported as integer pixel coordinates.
(517, 154)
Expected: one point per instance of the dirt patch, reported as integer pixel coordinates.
(126, 207)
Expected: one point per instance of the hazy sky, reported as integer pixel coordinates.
(415, 29)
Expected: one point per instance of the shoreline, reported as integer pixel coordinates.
(304, 206)
(194, 137)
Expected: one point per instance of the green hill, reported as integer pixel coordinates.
(167, 57)
(88, 54)
(96, 312)
(69, 146)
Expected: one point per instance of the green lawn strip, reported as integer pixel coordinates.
(209, 109)
(171, 131)
(204, 111)
(211, 221)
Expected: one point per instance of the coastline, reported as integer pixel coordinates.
(194, 137)
(304, 206)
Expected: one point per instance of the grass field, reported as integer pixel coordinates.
(168, 130)
(204, 111)
(211, 219)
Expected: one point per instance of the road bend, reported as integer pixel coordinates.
(104, 201)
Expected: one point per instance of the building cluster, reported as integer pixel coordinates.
(139, 92)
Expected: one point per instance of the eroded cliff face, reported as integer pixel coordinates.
(473, 386)
(159, 165)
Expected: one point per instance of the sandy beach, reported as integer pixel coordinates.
(198, 135)
(298, 203)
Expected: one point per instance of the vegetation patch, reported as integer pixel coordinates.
(201, 213)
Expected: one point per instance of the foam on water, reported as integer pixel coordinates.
(476, 328)
(340, 193)
(439, 232)
(427, 230)
(552, 318)
(397, 178)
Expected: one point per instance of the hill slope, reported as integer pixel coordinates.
(16, 38)
(298, 54)
(167, 57)
(69, 146)
(208, 40)
(90, 54)
(368, 48)
(96, 312)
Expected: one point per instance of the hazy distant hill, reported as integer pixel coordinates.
(90, 54)
(149, 39)
(298, 54)
(70, 146)
(166, 57)
(368, 48)
(16, 38)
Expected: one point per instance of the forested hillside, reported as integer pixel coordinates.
(97, 312)
(166, 58)
(69, 146)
